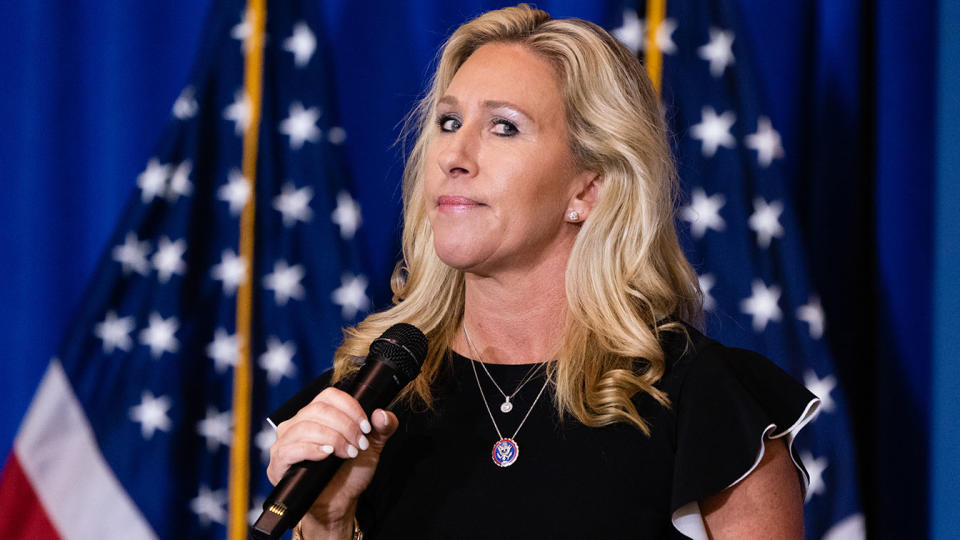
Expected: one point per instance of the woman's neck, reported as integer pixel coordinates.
(515, 319)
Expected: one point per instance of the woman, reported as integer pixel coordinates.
(540, 259)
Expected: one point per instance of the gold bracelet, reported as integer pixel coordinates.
(357, 533)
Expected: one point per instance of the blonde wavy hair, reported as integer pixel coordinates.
(627, 279)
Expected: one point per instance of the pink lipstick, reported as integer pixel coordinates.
(456, 204)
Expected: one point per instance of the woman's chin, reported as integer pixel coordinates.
(461, 263)
(458, 257)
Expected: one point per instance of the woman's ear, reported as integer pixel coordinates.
(583, 202)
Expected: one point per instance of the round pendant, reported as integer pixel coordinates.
(506, 406)
(505, 452)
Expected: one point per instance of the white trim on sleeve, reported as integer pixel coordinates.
(689, 521)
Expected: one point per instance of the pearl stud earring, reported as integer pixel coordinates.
(573, 216)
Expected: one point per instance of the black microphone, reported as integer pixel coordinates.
(394, 360)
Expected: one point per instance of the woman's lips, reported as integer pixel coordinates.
(456, 204)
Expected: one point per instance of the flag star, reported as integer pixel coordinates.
(132, 254)
(663, 36)
(232, 271)
(302, 44)
(153, 180)
(284, 281)
(766, 141)
(294, 204)
(223, 350)
(243, 30)
(151, 414)
(264, 440)
(719, 51)
(707, 281)
(346, 215)
(278, 360)
(704, 212)
(631, 32)
(185, 106)
(762, 305)
(714, 131)
(821, 388)
(301, 125)
(351, 295)
(812, 314)
(815, 468)
(160, 335)
(236, 191)
(115, 332)
(168, 259)
(765, 221)
(180, 181)
(216, 428)
(238, 112)
(336, 135)
(210, 506)
(852, 527)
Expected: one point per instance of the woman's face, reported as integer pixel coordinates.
(499, 174)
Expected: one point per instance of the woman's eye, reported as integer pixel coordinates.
(449, 123)
(504, 128)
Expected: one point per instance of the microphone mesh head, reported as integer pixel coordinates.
(405, 345)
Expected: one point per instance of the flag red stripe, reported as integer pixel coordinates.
(21, 513)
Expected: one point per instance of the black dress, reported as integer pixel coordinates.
(437, 477)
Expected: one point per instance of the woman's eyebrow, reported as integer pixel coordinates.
(487, 104)
(494, 104)
(447, 100)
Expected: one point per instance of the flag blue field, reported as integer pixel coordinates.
(741, 232)
(129, 434)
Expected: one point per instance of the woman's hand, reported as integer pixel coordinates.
(333, 423)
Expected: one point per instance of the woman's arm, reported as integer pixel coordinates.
(768, 503)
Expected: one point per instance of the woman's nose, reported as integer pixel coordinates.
(458, 155)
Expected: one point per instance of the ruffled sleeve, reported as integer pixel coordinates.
(729, 402)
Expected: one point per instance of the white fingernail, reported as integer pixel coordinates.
(364, 443)
(386, 419)
(365, 426)
(327, 448)
(351, 451)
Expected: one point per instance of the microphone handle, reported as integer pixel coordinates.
(374, 387)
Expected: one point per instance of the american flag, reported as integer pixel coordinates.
(131, 430)
(741, 233)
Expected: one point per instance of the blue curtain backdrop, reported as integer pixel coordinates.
(87, 87)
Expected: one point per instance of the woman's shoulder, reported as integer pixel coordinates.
(712, 380)
(693, 360)
(686, 349)
(725, 402)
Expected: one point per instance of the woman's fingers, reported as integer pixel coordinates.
(323, 414)
(346, 403)
(385, 424)
(282, 456)
(333, 423)
(345, 446)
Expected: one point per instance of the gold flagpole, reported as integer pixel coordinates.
(243, 373)
(656, 11)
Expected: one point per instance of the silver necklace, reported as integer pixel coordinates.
(507, 405)
(505, 450)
